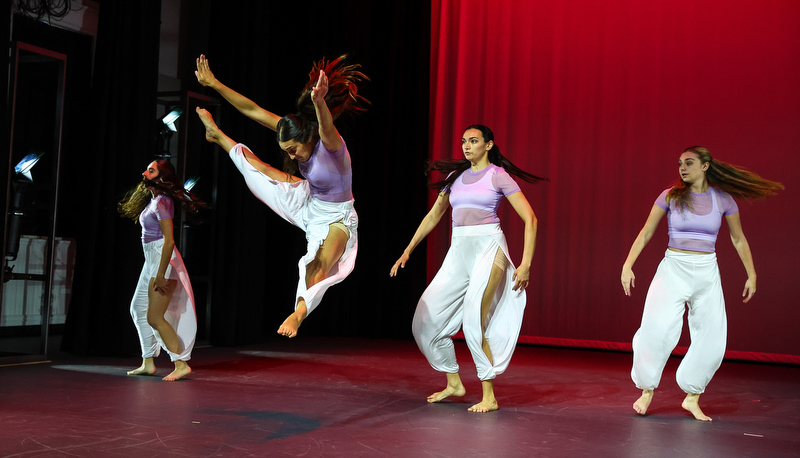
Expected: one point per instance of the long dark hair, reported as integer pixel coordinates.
(452, 168)
(735, 180)
(342, 97)
(167, 183)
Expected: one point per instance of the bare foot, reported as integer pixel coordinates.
(692, 404)
(641, 404)
(213, 133)
(447, 392)
(181, 370)
(485, 406)
(488, 403)
(148, 367)
(454, 388)
(290, 325)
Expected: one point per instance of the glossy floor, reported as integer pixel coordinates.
(316, 397)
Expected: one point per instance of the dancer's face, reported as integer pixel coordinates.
(151, 172)
(691, 169)
(473, 145)
(296, 150)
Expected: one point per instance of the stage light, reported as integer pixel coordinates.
(26, 164)
(171, 117)
(20, 184)
(190, 183)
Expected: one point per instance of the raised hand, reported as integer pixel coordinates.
(319, 91)
(203, 72)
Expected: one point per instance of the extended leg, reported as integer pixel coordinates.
(215, 135)
(317, 270)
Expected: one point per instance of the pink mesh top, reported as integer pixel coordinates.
(697, 230)
(475, 196)
(160, 207)
(329, 174)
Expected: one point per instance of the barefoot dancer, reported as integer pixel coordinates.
(688, 274)
(163, 304)
(477, 283)
(322, 204)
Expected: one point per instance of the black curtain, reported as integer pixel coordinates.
(119, 142)
(265, 51)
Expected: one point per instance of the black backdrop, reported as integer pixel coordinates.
(263, 50)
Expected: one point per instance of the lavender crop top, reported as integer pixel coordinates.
(160, 207)
(329, 174)
(475, 196)
(697, 230)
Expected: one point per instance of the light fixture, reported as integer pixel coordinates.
(26, 164)
(171, 117)
(190, 183)
(16, 213)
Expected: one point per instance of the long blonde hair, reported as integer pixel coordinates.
(168, 183)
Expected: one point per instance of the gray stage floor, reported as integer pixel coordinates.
(314, 397)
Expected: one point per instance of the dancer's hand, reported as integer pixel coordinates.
(628, 280)
(319, 91)
(749, 289)
(203, 72)
(401, 263)
(522, 278)
(160, 284)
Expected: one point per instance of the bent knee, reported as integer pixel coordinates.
(154, 322)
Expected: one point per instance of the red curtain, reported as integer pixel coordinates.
(602, 97)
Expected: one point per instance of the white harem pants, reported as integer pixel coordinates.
(180, 313)
(293, 202)
(682, 279)
(453, 300)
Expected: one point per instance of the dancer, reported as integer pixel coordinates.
(688, 275)
(477, 285)
(322, 203)
(163, 303)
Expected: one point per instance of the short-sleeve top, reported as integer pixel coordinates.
(475, 196)
(697, 229)
(329, 173)
(160, 207)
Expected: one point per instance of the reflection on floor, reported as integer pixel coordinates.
(317, 397)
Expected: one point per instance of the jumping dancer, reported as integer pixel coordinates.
(322, 203)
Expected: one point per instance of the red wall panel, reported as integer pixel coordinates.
(602, 97)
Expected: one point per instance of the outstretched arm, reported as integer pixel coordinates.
(627, 277)
(245, 106)
(426, 226)
(524, 210)
(743, 248)
(327, 131)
